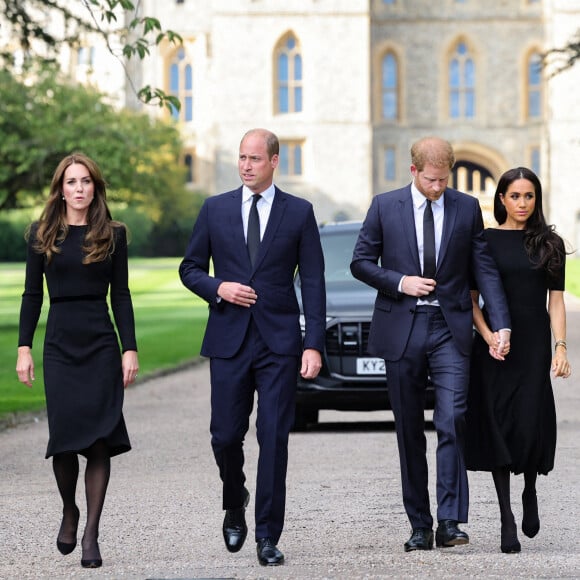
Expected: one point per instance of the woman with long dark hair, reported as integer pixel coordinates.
(82, 253)
(511, 417)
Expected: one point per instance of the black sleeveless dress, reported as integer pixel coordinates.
(511, 416)
(82, 360)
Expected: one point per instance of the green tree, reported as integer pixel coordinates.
(25, 21)
(43, 122)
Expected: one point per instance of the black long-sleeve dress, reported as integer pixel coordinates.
(511, 416)
(82, 360)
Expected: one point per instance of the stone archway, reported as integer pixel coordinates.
(478, 181)
(476, 171)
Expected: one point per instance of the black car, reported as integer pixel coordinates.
(350, 379)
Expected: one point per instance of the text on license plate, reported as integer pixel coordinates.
(370, 366)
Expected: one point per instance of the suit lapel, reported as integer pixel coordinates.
(235, 221)
(408, 221)
(449, 217)
(278, 208)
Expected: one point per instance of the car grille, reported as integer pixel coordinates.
(348, 338)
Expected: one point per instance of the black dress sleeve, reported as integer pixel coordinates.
(121, 302)
(33, 293)
(558, 281)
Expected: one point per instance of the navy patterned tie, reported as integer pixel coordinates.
(253, 237)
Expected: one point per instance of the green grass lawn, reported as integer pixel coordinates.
(573, 276)
(169, 320)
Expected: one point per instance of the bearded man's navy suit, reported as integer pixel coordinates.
(405, 335)
(264, 341)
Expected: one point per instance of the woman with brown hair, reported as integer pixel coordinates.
(82, 253)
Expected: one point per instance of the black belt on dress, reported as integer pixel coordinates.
(84, 297)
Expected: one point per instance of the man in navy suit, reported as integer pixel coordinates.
(422, 326)
(256, 237)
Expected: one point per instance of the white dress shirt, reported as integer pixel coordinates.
(419, 205)
(438, 208)
(264, 207)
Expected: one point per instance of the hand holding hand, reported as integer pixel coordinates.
(499, 344)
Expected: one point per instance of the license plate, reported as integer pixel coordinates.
(370, 366)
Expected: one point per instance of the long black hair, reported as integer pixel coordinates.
(544, 246)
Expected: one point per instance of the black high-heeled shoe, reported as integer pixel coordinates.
(66, 548)
(95, 562)
(512, 548)
(531, 518)
(509, 537)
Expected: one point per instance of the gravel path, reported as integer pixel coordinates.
(162, 518)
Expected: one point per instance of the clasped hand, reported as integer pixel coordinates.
(417, 286)
(499, 344)
(237, 293)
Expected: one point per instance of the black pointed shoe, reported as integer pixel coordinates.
(421, 539)
(95, 560)
(448, 535)
(234, 527)
(67, 547)
(268, 553)
(531, 518)
(509, 536)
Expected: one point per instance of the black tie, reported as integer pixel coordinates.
(429, 259)
(253, 237)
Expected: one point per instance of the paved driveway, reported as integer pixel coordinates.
(345, 519)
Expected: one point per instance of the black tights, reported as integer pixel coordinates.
(509, 532)
(97, 472)
(530, 520)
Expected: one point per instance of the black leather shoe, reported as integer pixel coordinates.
(421, 539)
(234, 528)
(448, 535)
(268, 554)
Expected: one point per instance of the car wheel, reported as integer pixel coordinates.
(305, 416)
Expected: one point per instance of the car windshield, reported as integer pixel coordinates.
(338, 248)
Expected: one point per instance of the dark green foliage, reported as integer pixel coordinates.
(139, 157)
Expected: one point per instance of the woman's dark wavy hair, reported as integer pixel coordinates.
(52, 226)
(543, 245)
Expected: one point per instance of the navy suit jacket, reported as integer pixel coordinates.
(388, 236)
(291, 242)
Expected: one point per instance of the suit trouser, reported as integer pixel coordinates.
(233, 382)
(431, 351)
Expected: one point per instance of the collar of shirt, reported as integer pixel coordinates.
(420, 200)
(267, 194)
(264, 207)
